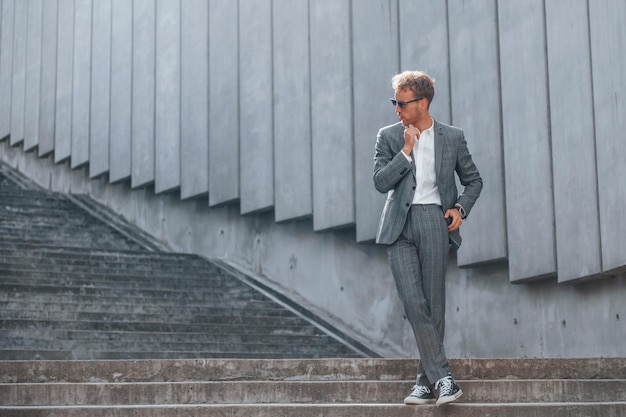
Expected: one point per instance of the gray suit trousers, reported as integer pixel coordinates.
(419, 261)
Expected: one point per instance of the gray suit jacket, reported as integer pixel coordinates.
(395, 175)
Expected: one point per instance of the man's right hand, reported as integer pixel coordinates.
(411, 134)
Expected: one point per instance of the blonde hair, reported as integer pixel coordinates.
(419, 82)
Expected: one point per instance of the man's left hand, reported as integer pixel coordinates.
(456, 222)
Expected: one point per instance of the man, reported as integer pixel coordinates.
(414, 164)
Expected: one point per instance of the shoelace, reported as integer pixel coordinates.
(444, 385)
(420, 390)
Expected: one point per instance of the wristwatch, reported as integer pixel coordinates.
(461, 210)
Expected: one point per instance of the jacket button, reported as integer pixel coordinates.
(407, 204)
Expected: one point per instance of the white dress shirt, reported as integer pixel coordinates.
(426, 191)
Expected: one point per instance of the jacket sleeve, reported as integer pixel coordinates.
(390, 165)
(468, 176)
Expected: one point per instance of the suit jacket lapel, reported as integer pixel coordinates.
(439, 143)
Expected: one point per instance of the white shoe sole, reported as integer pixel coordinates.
(446, 400)
(415, 401)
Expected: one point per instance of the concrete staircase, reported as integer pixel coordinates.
(307, 388)
(75, 287)
(97, 320)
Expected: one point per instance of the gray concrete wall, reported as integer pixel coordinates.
(48, 78)
(33, 75)
(293, 195)
(572, 127)
(224, 169)
(475, 87)
(256, 116)
(81, 84)
(120, 124)
(266, 114)
(143, 92)
(167, 96)
(609, 80)
(194, 94)
(64, 70)
(332, 109)
(100, 103)
(18, 87)
(6, 65)
(522, 27)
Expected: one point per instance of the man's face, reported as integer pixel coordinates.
(410, 112)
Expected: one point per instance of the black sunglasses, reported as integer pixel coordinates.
(401, 104)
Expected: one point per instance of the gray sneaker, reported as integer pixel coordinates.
(420, 394)
(448, 390)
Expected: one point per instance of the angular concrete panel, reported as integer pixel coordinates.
(475, 94)
(167, 106)
(65, 68)
(527, 157)
(100, 89)
(223, 102)
(376, 60)
(33, 75)
(120, 140)
(424, 47)
(81, 83)
(608, 59)
(48, 77)
(6, 67)
(18, 89)
(143, 92)
(256, 150)
(194, 106)
(573, 150)
(292, 111)
(332, 106)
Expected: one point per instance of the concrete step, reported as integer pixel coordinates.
(73, 283)
(105, 355)
(217, 325)
(108, 278)
(14, 338)
(302, 392)
(80, 257)
(32, 199)
(8, 185)
(617, 409)
(82, 238)
(88, 253)
(47, 293)
(229, 308)
(21, 194)
(244, 334)
(218, 315)
(304, 370)
(308, 387)
(77, 281)
(306, 346)
(45, 312)
(86, 238)
(44, 218)
(196, 314)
